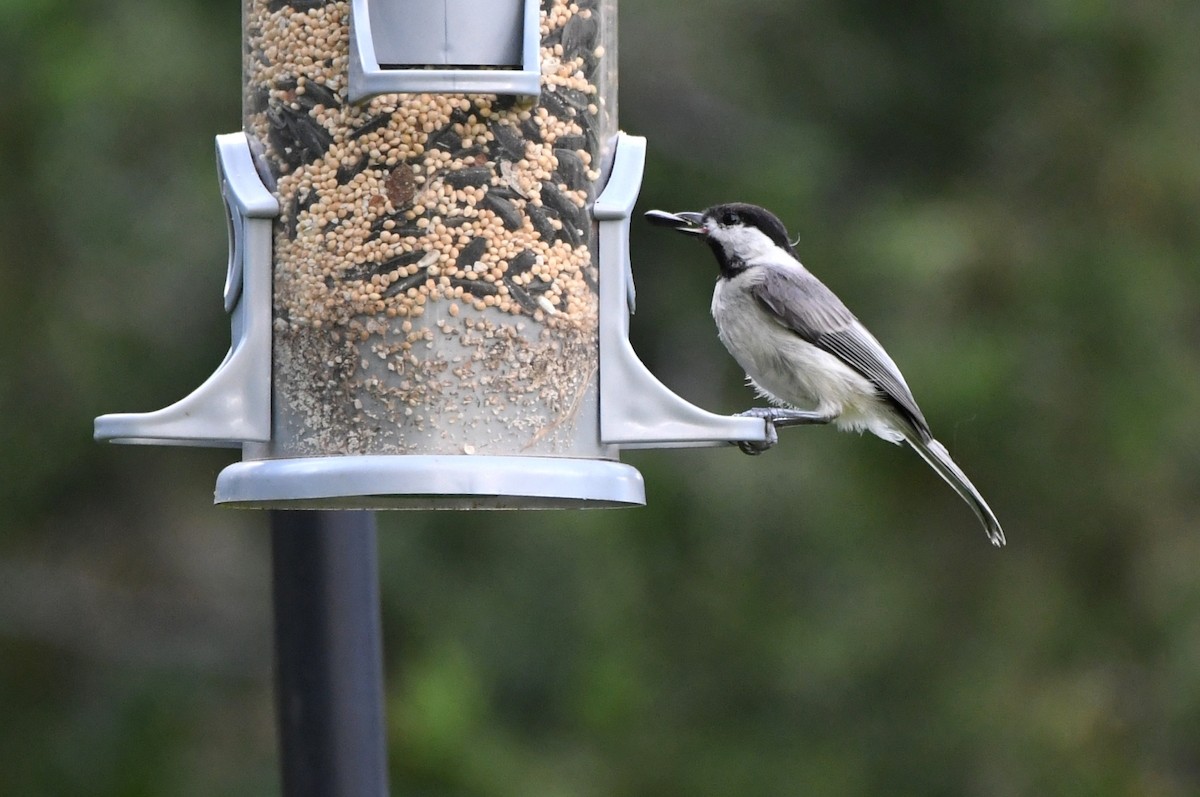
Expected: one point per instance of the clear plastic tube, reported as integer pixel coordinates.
(434, 261)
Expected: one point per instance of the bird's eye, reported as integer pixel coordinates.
(730, 217)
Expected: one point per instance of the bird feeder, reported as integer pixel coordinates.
(429, 279)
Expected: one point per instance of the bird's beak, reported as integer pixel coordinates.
(687, 222)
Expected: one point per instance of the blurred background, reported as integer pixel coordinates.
(1007, 193)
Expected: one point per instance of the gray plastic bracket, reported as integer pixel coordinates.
(444, 47)
(233, 406)
(636, 409)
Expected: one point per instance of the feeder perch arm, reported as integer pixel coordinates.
(636, 409)
(233, 406)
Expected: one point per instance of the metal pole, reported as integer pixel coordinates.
(329, 671)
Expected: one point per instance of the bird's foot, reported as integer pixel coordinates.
(756, 447)
(777, 416)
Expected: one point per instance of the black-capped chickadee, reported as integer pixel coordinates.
(801, 347)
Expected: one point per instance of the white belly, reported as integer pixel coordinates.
(790, 371)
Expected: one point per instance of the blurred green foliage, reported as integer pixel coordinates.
(1006, 193)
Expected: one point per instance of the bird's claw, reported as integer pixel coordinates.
(756, 447)
(779, 416)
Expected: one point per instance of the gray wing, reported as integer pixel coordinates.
(801, 302)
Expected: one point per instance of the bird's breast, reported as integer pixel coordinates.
(783, 366)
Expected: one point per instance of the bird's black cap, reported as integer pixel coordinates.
(743, 213)
(726, 215)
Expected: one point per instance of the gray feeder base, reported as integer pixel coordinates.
(430, 482)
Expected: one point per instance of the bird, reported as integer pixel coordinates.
(802, 349)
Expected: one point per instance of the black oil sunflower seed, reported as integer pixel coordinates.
(564, 207)
(296, 136)
(475, 287)
(470, 254)
(260, 98)
(571, 142)
(371, 126)
(319, 94)
(521, 263)
(555, 106)
(473, 176)
(527, 302)
(531, 130)
(476, 154)
(571, 168)
(506, 211)
(579, 35)
(540, 218)
(405, 230)
(574, 98)
(590, 62)
(298, 5)
(445, 139)
(591, 136)
(401, 286)
(367, 270)
(571, 234)
(504, 192)
(508, 142)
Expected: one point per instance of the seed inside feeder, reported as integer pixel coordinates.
(464, 214)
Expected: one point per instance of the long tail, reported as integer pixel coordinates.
(939, 459)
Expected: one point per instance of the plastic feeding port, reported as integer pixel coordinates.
(414, 46)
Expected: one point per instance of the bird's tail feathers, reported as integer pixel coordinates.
(939, 459)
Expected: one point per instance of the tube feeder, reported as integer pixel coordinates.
(429, 278)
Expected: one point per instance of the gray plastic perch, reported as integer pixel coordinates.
(233, 406)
